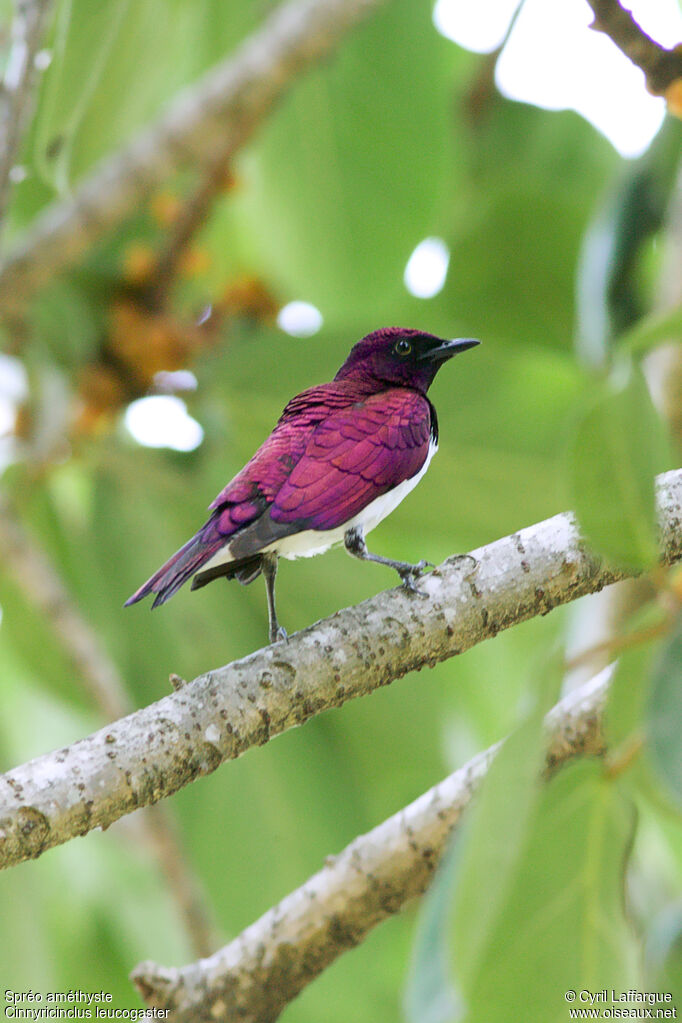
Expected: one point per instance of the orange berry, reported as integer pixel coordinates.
(248, 295)
(165, 207)
(138, 263)
(147, 342)
(195, 262)
(675, 583)
(673, 98)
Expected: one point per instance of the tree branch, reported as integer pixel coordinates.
(16, 92)
(208, 121)
(156, 751)
(661, 67)
(256, 976)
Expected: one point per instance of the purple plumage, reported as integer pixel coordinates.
(340, 457)
(354, 456)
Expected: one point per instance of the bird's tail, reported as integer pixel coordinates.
(178, 569)
(244, 570)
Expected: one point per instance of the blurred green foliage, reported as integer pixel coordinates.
(666, 715)
(368, 154)
(617, 447)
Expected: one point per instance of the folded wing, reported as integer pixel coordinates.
(326, 460)
(353, 457)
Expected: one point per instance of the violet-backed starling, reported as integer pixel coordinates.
(342, 456)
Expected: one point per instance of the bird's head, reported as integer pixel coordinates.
(400, 357)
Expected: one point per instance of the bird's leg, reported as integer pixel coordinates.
(269, 566)
(354, 541)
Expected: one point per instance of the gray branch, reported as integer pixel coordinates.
(16, 91)
(256, 976)
(152, 753)
(211, 119)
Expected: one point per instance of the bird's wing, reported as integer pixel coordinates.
(354, 456)
(243, 501)
(317, 470)
(262, 477)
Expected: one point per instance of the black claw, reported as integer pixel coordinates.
(422, 565)
(411, 574)
(278, 634)
(415, 571)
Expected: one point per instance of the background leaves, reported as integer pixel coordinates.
(370, 153)
(617, 448)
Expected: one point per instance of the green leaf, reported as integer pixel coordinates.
(654, 330)
(429, 995)
(84, 35)
(503, 807)
(627, 711)
(133, 88)
(102, 85)
(617, 449)
(627, 704)
(562, 926)
(67, 323)
(336, 197)
(663, 954)
(503, 811)
(665, 715)
(612, 283)
(495, 236)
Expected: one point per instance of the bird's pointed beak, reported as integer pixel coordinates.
(447, 349)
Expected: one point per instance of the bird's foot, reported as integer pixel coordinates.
(277, 633)
(410, 574)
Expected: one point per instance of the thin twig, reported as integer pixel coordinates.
(661, 67)
(615, 644)
(212, 119)
(160, 832)
(481, 91)
(256, 976)
(192, 216)
(156, 751)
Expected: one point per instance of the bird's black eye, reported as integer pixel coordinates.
(402, 347)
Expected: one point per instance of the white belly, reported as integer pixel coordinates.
(313, 541)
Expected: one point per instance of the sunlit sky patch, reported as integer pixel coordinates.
(554, 60)
(480, 28)
(13, 391)
(13, 379)
(8, 415)
(427, 268)
(300, 319)
(162, 421)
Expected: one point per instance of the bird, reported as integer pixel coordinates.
(341, 457)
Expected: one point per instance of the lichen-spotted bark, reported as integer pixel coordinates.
(156, 751)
